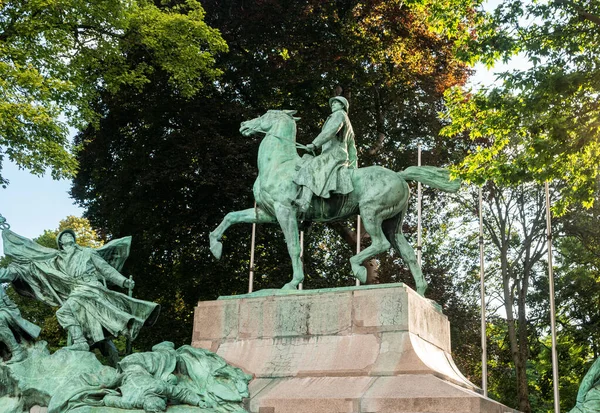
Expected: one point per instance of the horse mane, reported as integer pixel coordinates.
(289, 112)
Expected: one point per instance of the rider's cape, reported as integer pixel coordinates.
(26, 252)
(48, 276)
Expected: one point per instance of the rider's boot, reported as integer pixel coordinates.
(79, 341)
(303, 200)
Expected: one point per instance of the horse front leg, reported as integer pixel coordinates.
(286, 216)
(246, 216)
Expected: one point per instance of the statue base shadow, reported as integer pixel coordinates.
(374, 349)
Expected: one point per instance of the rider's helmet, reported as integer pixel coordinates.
(342, 100)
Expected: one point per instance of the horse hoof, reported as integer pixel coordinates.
(289, 286)
(361, 274)
(217, 249)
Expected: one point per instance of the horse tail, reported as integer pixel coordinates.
(438, 178)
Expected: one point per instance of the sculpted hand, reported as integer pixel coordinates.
(311, 147)
(128, 283)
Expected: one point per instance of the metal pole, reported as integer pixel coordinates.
(419, 201)
(252, 243)
(129, 341)
(552, 312)
(357, 241)
(300, 286)
(482, 285)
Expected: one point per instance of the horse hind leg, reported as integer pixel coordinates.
(393, 231)
(379, 244)
(246, 216)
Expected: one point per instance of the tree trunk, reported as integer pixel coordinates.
(517, 332)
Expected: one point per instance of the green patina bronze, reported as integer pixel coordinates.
(378, 194)
(588, 396)
(15, 331)
(70, 380)
(327, 173)
(75, 279)
(153, 380)
(194, 380)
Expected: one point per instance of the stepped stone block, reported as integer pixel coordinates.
(367, 349)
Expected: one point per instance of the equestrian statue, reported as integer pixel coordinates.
(328, 187)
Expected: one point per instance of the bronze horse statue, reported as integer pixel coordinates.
(380, 196)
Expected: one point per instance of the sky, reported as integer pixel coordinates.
(32, 204)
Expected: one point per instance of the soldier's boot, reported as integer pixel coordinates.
(17, 351)
(303, 200)
(18, 354)
(79, 341)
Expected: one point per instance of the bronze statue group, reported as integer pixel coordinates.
(322, 187)
(76, 279)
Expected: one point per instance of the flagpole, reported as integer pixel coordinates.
(301, 286)
(419, 202)
(552, 307)
(252, 244)
(357, 241)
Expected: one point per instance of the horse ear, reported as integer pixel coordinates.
(296, 118)
(290, 112)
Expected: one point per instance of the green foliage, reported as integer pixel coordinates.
(387, 58)
(86, 235)
(542, 123)
(57, 55)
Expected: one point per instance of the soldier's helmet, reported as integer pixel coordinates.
(66, 231)
(342, 100)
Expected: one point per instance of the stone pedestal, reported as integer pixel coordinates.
(368, 349)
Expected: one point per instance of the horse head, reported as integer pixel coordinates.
(280, 123)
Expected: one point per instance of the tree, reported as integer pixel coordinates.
(542, 123)
(86, 235)
(166, 169)
(57, 55)
(514, 235)
(578, 294)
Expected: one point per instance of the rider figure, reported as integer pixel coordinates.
(14, 329)
(325, 174)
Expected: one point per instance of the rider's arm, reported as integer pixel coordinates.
(352, 155)
(108, 272)
(334, 123)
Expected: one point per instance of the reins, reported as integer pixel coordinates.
(298, 145)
